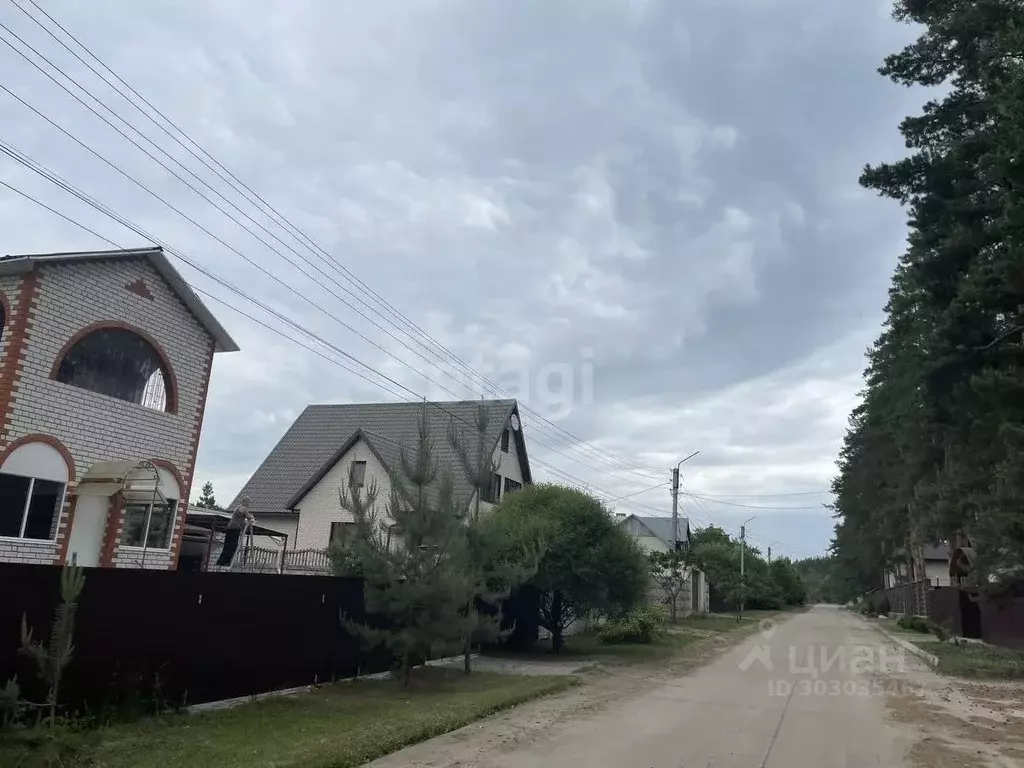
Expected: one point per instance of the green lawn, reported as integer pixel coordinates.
(345, 724)
(977, 660)
(587, 645)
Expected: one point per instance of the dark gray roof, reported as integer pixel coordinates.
(322, 433)
(935, 551)
(662, 527)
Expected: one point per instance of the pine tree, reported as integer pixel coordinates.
(936, 448)
(206, 497)
(488, 569)
(408, 558)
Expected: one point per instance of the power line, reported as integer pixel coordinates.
(637, 493)
(252, 197)
(762, 495)
(290, 288)
(748, 506)
(84, 197)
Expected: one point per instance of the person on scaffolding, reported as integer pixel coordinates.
(240, 518)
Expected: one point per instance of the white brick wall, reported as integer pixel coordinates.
(132, 557)
(320, 507)
(92, 426)
(27, 551)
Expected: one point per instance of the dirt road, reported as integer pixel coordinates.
(809, 691)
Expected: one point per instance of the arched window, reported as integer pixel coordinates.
(33, 480)
(148, 524)
(120, 363)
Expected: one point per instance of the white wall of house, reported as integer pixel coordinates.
(91, 426)
(286, 524)
(652, 544)
(937, 572)
(643, 536)
(507, 464)
(321, 506)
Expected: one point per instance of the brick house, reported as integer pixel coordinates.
(105, 362)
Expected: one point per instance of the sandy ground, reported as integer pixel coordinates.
(816, 690)
(958, 723)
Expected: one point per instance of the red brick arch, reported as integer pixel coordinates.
(5, 306)
(51, 441)
(170, 380)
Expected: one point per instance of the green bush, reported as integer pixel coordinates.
(641, 625)
(913, 623)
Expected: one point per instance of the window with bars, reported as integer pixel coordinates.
(150, 530)
(511, 486)
(119, 363)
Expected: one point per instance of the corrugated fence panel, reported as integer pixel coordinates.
(193, 636)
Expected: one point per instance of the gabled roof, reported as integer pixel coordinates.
(661, 527)
(18, 264)
(324, 433)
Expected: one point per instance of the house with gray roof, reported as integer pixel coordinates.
(654, 533)
(934, 560)
(295, 489)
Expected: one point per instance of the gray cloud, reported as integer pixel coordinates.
(665, 190)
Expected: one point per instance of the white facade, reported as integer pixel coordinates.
(49, 307)
(321, 506)
(936, 572)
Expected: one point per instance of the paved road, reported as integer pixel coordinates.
(732, 713)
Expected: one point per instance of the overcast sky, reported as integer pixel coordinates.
(640, 216)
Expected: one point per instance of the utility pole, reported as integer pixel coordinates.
(743, 549)
(675, 501)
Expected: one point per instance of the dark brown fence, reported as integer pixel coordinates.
(186, 636)
(910, 598)
(1002, 621)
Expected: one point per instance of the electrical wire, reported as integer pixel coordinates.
(275, 216)
(406, 392)
(748, 506)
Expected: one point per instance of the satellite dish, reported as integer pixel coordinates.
(514, 421)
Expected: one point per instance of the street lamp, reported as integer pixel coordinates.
(675, 501)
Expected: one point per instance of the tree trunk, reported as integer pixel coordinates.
(406, 670)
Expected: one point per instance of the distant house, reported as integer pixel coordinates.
(936, 568)
(654, 534)
(105, 361)
(295, 490)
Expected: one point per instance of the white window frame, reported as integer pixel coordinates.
(28, 503)
(145, 532)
